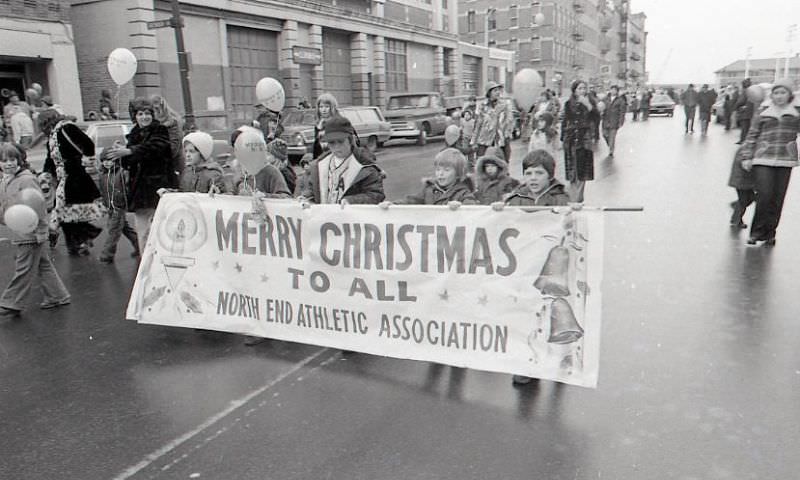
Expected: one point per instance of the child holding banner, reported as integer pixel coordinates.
(202, 173)
(450, 184)
(539, 187)
(492, 178)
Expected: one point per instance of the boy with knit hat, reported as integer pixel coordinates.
(539, 187)
(450, 184)
(202, 172)
(493, 182)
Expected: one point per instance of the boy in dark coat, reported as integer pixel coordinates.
(113, 184)
(492, 179)
(449, 184)
(539, 187)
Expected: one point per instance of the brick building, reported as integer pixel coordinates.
(36, 46)
(359, 50)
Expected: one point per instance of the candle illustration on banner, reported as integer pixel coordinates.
(181, 233)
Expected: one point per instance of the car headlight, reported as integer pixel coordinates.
(298, 139)
(412, 125)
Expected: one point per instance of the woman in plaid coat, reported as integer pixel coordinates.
(771, 152)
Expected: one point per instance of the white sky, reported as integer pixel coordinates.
(689, 39)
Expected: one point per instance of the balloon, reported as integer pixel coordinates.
(38, 88)
(32, 95)
(32, 198)
(527, 86)
(755, 94)
(250, 149)
(451, 134)
(122, 65)
(601, 106)
(22, 219)
(269, 93)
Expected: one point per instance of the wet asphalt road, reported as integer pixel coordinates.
(699, 371)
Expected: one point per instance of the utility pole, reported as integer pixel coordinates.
(747, 63)
(176, 22)
(183, 66)
(789, 40)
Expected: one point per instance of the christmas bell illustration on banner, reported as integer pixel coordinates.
(564, 328)
(552, 279)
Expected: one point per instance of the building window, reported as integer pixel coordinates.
(396, 72)
(445, 26)
(492, 20)
(513, 44)
(471, 21)
(494, 74)
(492, 43)
(444, 4)
(513, 19)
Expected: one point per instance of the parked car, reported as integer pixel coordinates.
(662, 104)
(298, 132)
(373, 130)
(417, 116)
(103, 133)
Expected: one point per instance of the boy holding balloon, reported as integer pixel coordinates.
(23, 210)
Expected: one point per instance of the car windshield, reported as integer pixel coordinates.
(307, 117)
(106, 136)
(409, 101)
(662, 99)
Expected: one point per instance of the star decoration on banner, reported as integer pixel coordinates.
(483, 300)
(264, 279)
(515, 298)
(444, 295)
(238, 268)
(215, 264)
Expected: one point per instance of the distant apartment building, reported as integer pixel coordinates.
(761, 70)
(36, 46)
(358, 50)
(563, 40)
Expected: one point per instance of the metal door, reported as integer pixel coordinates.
(470, 75)
(252, 55)
(337, 68)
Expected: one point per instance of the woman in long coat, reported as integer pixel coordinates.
(576, 134)
(75, 189)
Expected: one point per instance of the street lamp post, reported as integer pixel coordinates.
(747, 62)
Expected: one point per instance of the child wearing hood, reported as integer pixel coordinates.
(202, 173)
(449, 184)
(493, 182)
(539, 186)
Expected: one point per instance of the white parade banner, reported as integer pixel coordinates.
(505, 291)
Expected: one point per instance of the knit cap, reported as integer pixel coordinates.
(450, 157)
(278, 149)
(786, 83)
(202, 141)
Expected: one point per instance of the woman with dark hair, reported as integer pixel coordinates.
(76, 192)
(148, 158)
(770, 151)
(327, 108)
(576, 135)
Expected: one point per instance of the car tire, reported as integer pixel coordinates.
(372, 143)
(422, 139)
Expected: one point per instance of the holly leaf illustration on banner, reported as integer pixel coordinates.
(154, 296)
(444, 295)
(191, 303)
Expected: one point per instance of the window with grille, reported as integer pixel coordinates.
(513, 16)
(492, 21)
(396, 70)
(471, 21)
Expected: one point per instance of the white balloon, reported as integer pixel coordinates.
(122, 65)
(527, 87)
(250, 149)
(21, 218)
(269, 93)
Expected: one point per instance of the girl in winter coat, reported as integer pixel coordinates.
(576, 135)
(543, 136)
(327, 108)
(771, 152)
(450, 184)
(148, 158)
(493, 183)
(31, 258)
(113, 183)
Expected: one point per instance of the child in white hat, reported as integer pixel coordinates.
(202, 173)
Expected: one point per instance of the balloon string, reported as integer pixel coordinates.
(117, 110)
